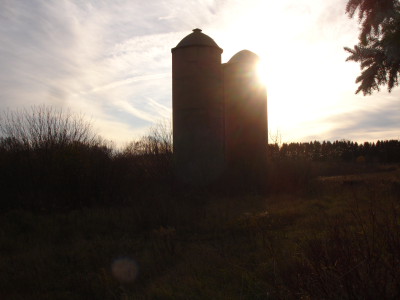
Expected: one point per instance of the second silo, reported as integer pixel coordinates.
(198, 127)
(246, 126)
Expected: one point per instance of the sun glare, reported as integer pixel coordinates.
(262, 72)
(298, 72)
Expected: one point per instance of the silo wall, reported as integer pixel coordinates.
(246, 120)
(198, 128)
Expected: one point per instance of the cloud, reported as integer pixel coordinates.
(321, 22)
(161, 110)
(380, 124)
(166, 17)
(134, 111)
(127, 81)
(118, 132)
(297, 9)
(43, 50)
(369, 120)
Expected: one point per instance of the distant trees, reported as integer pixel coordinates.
(382, 151)
(378, 50)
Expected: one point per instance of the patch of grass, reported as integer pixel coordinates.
(329, 241)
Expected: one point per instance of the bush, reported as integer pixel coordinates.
(151, 155)
(360, 160)
(52, 158)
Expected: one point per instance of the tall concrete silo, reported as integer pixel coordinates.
(197, 105)
(246, 123)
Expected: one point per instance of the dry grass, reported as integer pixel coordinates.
(303, 245)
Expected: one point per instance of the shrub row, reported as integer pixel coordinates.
(53, 158)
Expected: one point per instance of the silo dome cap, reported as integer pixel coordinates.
(245, 56)
(197, 38)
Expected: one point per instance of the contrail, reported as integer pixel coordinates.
(126, 81)
(136, 112)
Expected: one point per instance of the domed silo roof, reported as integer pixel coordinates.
(244, 56)
(197, 38)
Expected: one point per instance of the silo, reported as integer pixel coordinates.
(197, 109)
(246, 125)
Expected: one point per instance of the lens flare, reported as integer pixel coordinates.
(125, 269)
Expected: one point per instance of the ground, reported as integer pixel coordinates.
(334, 238)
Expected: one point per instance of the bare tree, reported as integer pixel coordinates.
(276, 137)
(152, 153)
(158, 141)
(42, 127)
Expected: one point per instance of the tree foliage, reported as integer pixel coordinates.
(378, 50)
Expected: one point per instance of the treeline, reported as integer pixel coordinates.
(387, 151)
(53, 160)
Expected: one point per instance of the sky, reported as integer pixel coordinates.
(111, 61)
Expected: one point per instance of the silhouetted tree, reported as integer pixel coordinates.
(343, 150)
(378, 50)
(52, 157)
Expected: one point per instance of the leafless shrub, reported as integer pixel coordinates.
(152, 153)
(275, 138)
(52, 158)
(42, 127)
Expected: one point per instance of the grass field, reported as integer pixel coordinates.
(337, 237)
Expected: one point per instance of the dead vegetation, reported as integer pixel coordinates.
(329, 241)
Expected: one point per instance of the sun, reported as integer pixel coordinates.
(262, 72)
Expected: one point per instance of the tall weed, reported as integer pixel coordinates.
(356, 257)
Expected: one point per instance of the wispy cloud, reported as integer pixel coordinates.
(161, 110)
(126, 81)
(134, 111)
(376, 120)
(166, 17)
